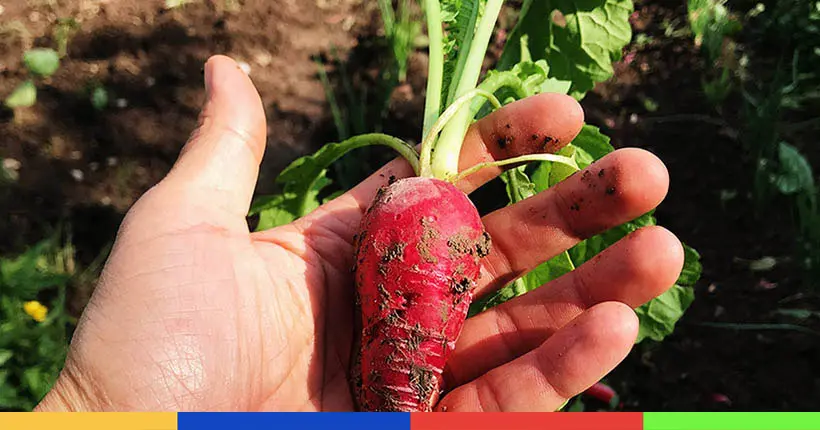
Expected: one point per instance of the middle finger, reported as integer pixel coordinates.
(616, 189)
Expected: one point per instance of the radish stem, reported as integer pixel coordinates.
(530, 157)
(445, 163)
(403, 148)
(427, 145)
(463, 50)
(495, 82)
(435, 72)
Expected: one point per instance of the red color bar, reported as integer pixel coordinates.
(528, 421)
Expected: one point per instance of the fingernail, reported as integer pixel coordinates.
(209, 77)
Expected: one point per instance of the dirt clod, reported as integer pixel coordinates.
(483, 246)
(423, 382)
(504, 141)
(428, 234)
(394, 252)
(547, 141)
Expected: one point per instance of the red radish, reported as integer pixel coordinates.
(603, 393)
(417, 262)
(421, 240)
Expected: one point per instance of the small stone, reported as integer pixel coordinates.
(245, 67)
(105, 201)
(11, 164)
(121, 103)
(34, 16)
(76, 155)
(262, 58)
(633, 118)
(111, 161)
(11, 169)
(94, 166)
(150, 81)
(77, 174)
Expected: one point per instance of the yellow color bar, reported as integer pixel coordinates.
(88, 421)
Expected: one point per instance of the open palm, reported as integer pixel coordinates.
(194, 312)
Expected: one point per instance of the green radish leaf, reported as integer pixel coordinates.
(42, 61)
(578, 38)
(658, 317)
(592, 142)
(795, 171)
(5, 355)
(25, 95)
(304, 179)
(460, 18)
(692, 268)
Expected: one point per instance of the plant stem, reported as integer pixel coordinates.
(495, 82)
(427, 145)
(435, 71)
(338, 121)
(463, 51)
(530, 157)
(445, 163)
(403, 148)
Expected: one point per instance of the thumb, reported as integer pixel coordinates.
(219, 164)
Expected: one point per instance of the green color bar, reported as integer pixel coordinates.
(731, 421)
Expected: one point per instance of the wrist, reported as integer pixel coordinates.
(72, 392)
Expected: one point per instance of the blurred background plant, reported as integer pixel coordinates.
(772, 62)
(34, 324)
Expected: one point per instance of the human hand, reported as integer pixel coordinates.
(194, 312)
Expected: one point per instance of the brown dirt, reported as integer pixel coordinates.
(150, 60)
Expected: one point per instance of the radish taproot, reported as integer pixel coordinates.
(421, 240)
(417, 263)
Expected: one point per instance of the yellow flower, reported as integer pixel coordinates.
(36, 310)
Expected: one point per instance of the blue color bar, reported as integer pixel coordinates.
(293, 421)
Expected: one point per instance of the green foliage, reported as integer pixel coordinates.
(42, 62)
(24, 95)
(795, 171)
(99, 98)
(658, 317)
(578, 38)
(401, 33)
(304, 179)
(63, 30)
(459, 18)
(711, 24)
(173, 4)
(779, 87)
(32, 352)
